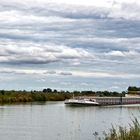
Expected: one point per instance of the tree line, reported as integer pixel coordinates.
(48, 94)
(133, 88)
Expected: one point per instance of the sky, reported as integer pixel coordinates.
(69, 44)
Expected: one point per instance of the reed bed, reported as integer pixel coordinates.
(123, 133)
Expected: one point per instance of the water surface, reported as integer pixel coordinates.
(56, 121)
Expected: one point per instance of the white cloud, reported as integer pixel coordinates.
(128, 11)
(100, 3)
(48, 11)
(127, 54)
(25, 18)
(115, 53)
(73, 36)
(98, 74)
(73, 73)
(23, 53)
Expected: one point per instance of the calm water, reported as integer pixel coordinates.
(56, 121)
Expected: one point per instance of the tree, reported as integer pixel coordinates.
(133, 88)
(48, 90)
(55, 91)
(2, 92)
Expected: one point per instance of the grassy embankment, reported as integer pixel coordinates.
(133, 133)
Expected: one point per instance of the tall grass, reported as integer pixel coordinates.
(11, 97)
(123, 133)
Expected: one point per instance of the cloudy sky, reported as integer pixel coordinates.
(69, 44)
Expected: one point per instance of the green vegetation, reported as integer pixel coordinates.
(133, 133)
(53, 95)
(31, 96)
(133, 90)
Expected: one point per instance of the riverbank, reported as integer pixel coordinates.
(47, 95)
(13, 97)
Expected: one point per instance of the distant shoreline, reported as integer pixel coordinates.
(12, 96)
